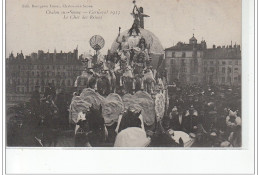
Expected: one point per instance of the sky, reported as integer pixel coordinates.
(31, 29)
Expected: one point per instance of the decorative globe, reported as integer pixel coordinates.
(97, 42)
(155, 44)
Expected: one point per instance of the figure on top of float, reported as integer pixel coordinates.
(100, 58)
(134, 32)
(134, 35)
(139, 15)
(123, 45)
(123, 48)
(142, 54)
(144, 49)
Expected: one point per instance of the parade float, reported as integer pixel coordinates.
(129, 76)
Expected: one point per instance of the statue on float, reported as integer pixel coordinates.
(129, 69)
(96, 67)
(134, 71)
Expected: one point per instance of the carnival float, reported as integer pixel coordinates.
(129, 77)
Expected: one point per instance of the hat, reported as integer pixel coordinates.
(192, 135)
(212, 112)
(213, 134)
(137, 49)
(132, 137)
(43, 98)
(135, 108)
(225, 144)
(232, 114)
(85, 110)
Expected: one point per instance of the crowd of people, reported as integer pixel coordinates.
(212, 114)
(54, 103)
(40, 119)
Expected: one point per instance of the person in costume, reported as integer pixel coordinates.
(123, 44)
(123, 48)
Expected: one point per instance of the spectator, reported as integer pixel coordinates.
(62, 106)
(191, 120)
(233, 120)
(50, 90)
(35, 102)
(177, 120)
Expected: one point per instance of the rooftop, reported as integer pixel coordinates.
(180, 46)
(223, 53)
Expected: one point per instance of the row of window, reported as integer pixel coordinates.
(184, 70)
(44, 67)
(185, 79)
(223, 79)
(206, 70)
(236, 79)
(42, 87)
(48, 74)
(182, 54)
(223, 70)
(236, 62)
(183, 61)
(31, 89)
(42, 82)
(172, 61)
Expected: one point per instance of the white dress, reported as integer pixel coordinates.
(133, 41)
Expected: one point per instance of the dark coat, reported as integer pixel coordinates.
(50, 91)
(175, 123)
(190, 122)
(61, 103)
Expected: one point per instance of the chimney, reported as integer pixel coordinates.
(54, 55)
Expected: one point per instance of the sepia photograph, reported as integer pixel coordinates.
(134, 73)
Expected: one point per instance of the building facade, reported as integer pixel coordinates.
(222, 65)
(183, 62)
(195, 63)
(23, 73)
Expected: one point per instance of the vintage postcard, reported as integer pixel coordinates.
(141, 73)
(143, 86)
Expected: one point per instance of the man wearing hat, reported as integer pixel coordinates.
(50, 90)
(177, 120)
(232, 120)
(191, 120)
(62, 106)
